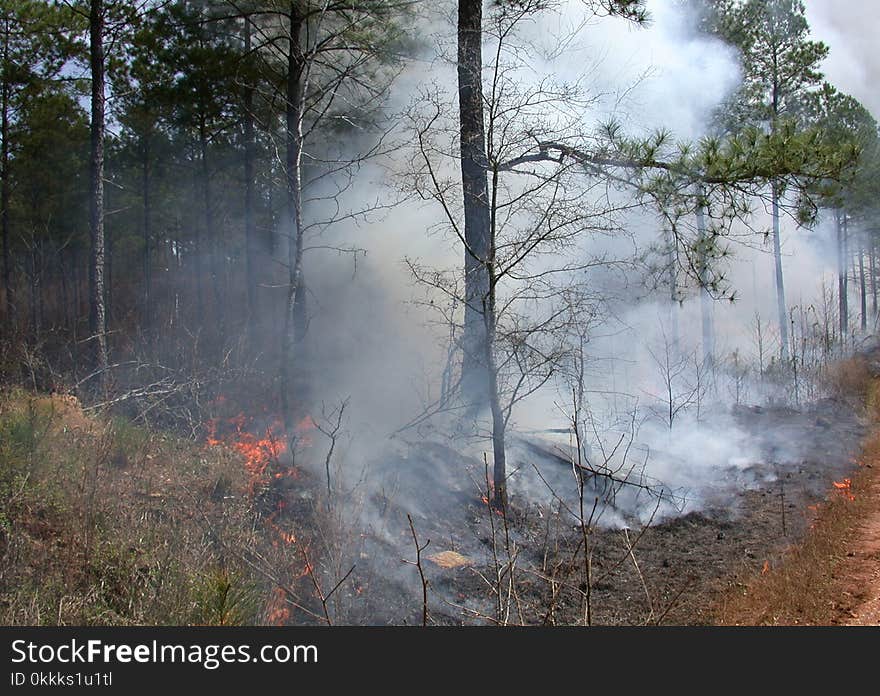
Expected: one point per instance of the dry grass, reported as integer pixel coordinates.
(850, 380)
(811, 584)
(102, 522)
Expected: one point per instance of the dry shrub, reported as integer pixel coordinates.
(849, 380)
(90, 537)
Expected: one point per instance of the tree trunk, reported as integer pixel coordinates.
(672, 279)
(41, 283)
(210, 228)
(76, 271)
(705, 296)
(5, 183)
(32, 283)
(147, 240)
(474, 167)
(842, 280)
(293, 176)
(97, 310)
(872, 270)
(780, 283)
(249, 222)
(68, 316)
(108, 278)
(499, 423)
(198, 271)
(863, 290)
(499, 428)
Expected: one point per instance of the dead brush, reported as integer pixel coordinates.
(88, 540)
(805, 586)
(795, 588)
(849, 380)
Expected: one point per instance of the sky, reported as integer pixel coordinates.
(850, 27)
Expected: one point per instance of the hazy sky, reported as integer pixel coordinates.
(850, 28)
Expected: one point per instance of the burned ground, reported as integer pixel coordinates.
(671, 570)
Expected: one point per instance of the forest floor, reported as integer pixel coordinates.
(103, 522)
(831, 574)
(754, 557)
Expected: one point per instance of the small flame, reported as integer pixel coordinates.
(259, 451)
(766, 568)
(845, 488)
(262, 451)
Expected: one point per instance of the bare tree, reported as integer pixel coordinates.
(322, 56)
(535, 213)
(682, 379)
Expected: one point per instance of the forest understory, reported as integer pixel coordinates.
(105, 522)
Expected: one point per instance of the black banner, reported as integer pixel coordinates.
(127, 659)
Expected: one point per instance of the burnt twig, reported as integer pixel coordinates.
(418, 564)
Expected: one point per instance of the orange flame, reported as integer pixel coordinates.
(766, 568)
(845, 488)
(259, 452)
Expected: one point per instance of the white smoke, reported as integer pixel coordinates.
(386, 353)
(849, 27)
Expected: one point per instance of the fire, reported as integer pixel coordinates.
(845, 488)
(766, 568)
(262, 449)
(278, 612)
(261, 452)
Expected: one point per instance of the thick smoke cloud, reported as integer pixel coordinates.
(849, 27)
(385, 353)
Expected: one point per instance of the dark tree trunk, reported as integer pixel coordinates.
(474, 166)
(5, 183)
(147, 258)
(97, 311)
(249, 221)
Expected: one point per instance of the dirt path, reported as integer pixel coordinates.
(861, 568)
